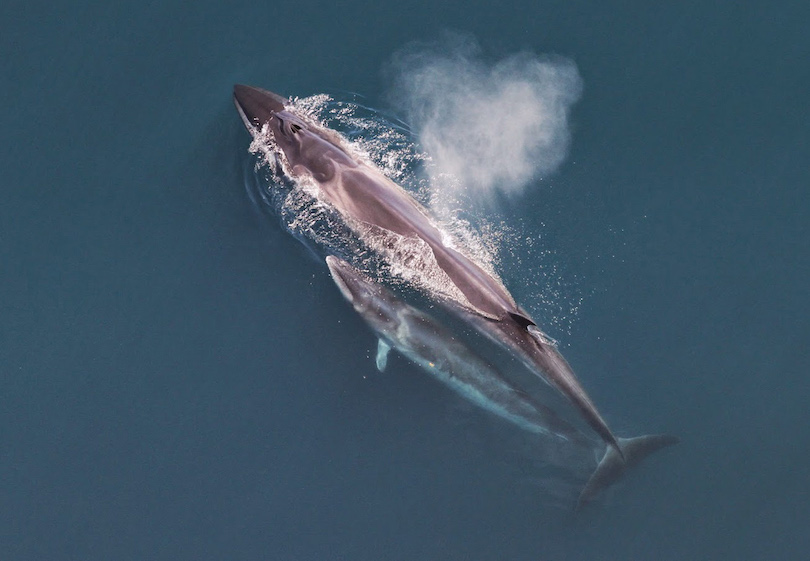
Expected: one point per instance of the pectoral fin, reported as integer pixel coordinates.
(383, 349)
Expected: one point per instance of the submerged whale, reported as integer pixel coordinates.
(431, 346)
(434, 348)
(371, 202)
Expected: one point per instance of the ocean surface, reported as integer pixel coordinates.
(182, 380)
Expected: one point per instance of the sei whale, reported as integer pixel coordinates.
(431, 346)
(370, 202)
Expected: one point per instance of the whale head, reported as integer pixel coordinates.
(259, 108)
(375, 303)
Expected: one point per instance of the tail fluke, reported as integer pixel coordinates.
(612, 467)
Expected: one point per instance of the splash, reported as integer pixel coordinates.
(491, 129)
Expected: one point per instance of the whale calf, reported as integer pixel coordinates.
(436, 350)
(430, 345)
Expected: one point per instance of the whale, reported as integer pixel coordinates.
(373, 204)
(435, 349)
(430, 345)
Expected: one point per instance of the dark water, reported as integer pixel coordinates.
(182, 381)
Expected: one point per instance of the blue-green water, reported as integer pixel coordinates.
(182, 381)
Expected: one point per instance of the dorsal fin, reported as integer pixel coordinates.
(521, 320)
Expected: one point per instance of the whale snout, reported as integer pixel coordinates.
(342, 275)
(255, 105)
